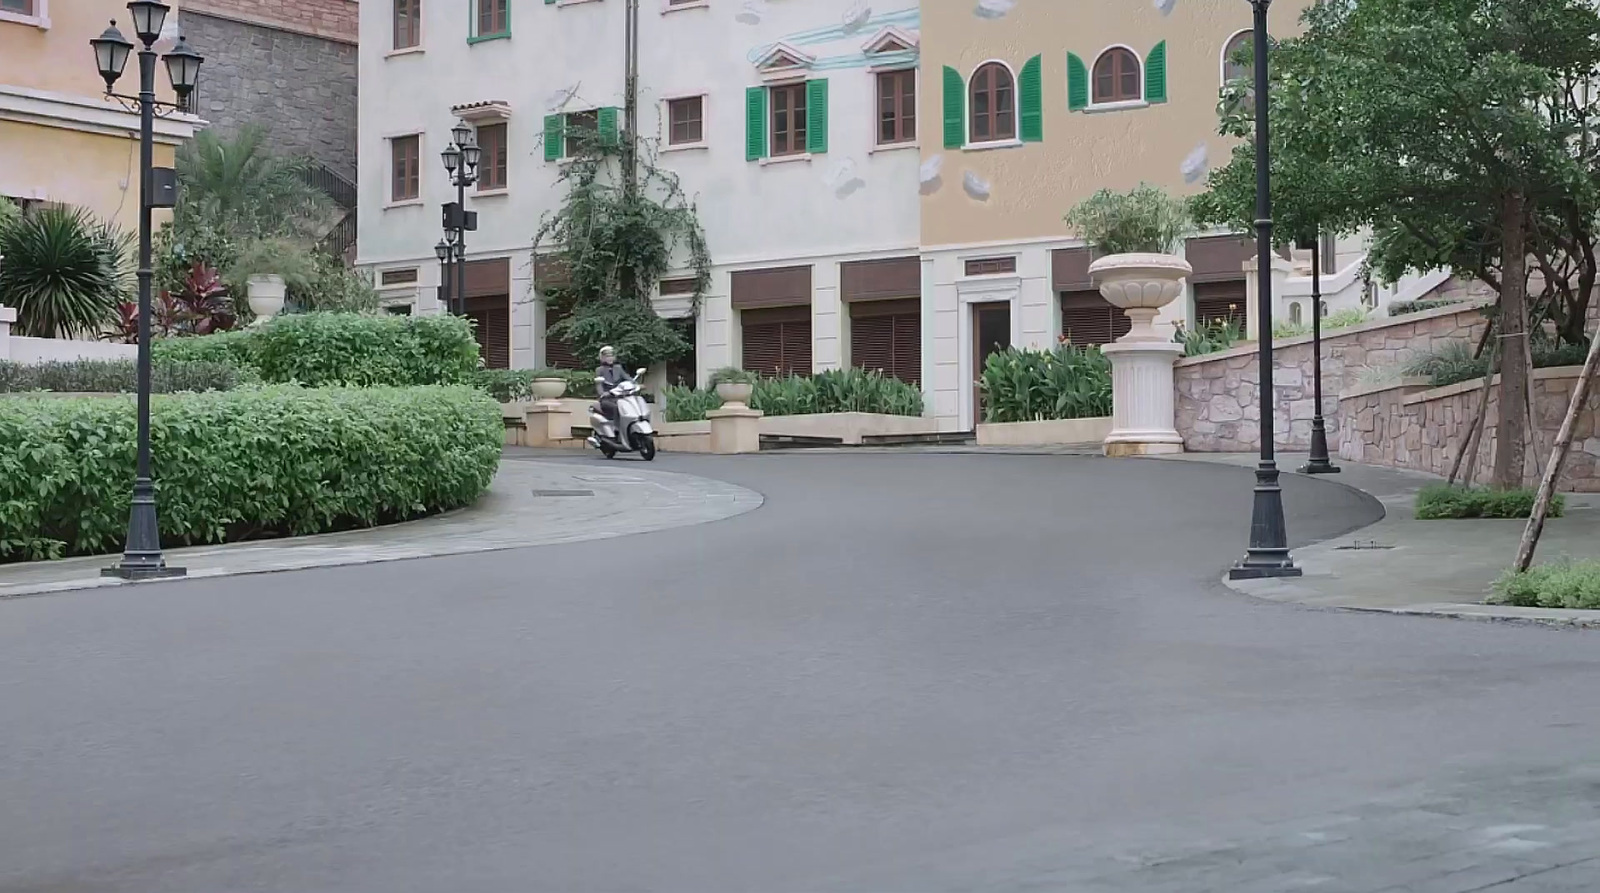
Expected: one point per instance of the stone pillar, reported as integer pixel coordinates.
(735, 428)
(1142, 398)
(8, 315)
(548, 423)
(1252, 292)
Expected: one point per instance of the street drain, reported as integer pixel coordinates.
(563, 492)
(1358, 545)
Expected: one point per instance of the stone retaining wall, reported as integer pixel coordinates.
(1217, 409)
(1402, 426)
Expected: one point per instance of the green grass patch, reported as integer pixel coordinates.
(1564, 584)
(1442, 501)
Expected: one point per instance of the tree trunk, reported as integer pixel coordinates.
(1510, 453)
(1558, 458)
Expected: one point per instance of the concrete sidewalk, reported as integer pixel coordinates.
(1404, 566)
(530, 503)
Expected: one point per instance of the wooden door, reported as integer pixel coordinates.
(991, 332)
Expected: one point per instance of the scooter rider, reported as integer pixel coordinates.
(610, 374)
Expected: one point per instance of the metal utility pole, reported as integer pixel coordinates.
(630, 102)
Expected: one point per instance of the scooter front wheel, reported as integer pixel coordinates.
(647, 447)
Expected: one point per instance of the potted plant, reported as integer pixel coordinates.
(266, 269)
(734, 385)
(548, 384)
(1134, 235)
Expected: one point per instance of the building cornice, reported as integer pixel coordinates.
(67, 111)
(260, 21)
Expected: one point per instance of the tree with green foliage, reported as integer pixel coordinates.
(1460, 133)
(239, 189)
(617, 235)
(65, 272)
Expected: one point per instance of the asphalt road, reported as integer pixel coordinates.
(905, 672)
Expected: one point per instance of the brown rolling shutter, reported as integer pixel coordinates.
(887, 336)
(777, 340)
(1069, 269)
(491, 317)
(488, 278)
(1089, 319)
(1218, 258)
(1215, 301)
(558, 354)
(876, 280)
(777, 287)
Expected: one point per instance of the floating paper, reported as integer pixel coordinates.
(1194, 164)
(930, 168)
(993, 9)
(976, 186)
(1165, 6)
(856, 16)
(750, 13)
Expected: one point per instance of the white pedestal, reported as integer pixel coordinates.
(735, 429)
(8, 317)
(547, 423)
(1142, 398)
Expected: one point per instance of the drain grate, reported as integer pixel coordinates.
(563, 492)
(1358, 545)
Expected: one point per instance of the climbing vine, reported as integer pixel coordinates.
(615, 244)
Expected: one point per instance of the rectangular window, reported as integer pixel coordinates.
(683, 286)
(581, 127)
(399, 277)
(897, 107)
(988, 266)
(493, 18)
(20, 7)
(405, 156)
(493, 157)
(687, 121)
(407, 23)
(788, 120)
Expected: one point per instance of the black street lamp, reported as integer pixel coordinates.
(1268, 555)
(444, 252)
(461, 162)
(1319, 462)
(158, 188)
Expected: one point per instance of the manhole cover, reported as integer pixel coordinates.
(1358, 545)
(563, 492)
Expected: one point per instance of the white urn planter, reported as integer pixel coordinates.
(735, 393)
(265, 295)
(549, 388)
(1141, 361)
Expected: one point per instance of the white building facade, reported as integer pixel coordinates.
(792, 126)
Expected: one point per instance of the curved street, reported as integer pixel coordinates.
(903, 672)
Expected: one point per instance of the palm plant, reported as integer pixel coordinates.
(65, 272)
(236, 187)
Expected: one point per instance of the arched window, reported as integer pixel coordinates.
(1294, 313)
(1117, 76)
(993, 104)
(1236, 58)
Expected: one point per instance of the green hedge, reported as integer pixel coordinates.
(1565, 584)
(355, 349)
(242, 464)
(119, 377)
(507, 385)
(836, 390)
(1402, 308)
(1068, 382)
(1442, 501)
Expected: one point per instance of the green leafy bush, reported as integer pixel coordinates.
(119, 377)
(335, 288)
(64, 273)
(243, 464)
(1565, 584)
(320, 349)
(1144, 219)
(1068, 382)
(1342, 319)
(1454, 363)
(687, 404)
(640, 336)
(1442, 501)
(1209, 337)
(733, 375)
(836, 390)
(1402, 308)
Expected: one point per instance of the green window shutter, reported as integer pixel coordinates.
(606, 121)
(1030, 99)
(817, 116)
(1155, 74)
(1077, 83)
(554, 131)
(755, 123)
(955, 109)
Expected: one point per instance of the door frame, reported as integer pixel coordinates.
(987, 290)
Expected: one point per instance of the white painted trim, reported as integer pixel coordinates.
(1424, 284)
(1222, 55)
(49, 108)
(1119, 106)
(916, 97)
(992, 144)
(1139, 67)
(893, 147)
(891, 32)
(667, 6)
(1005, 287)
(764, 61)
(786, 159)
(40, 18)
(417, 50)
(494, 112)
(491, 193)
(988, 248)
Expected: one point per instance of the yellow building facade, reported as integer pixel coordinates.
(61, 139)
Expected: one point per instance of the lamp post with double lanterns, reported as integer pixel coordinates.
(461, 162)
(444, 251)
(1319, 462)
(158, 188)
(1268, 554)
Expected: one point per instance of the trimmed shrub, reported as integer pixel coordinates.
(507, 385)
(321, 349)
(118, 377)
(1442, 501)
(1565, 584)
(1454, 363)
(1035, 385)
(1401, 308)
(251, 463)
(687, 404)
(836, 390)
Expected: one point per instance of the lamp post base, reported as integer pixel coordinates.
(136, 572)
(1319, 462)
(1268, 555)
(1319, 466)
(141, 557)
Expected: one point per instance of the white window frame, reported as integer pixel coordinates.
(1142, 102)
(40, 18)
(667, 145)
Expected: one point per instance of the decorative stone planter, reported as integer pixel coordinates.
(735, 393)
(549, 388)
(265, 295)
(1142, 410)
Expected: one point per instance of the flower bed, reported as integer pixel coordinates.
(243, 464)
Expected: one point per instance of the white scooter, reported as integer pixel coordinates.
(633, 418)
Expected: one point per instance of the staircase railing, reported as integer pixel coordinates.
(334, 186)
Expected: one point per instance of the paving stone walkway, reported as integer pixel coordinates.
(531, 502)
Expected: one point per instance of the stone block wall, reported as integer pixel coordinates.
(300, 86)
(1217, 408)
(1402, 427)
(338, 20)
